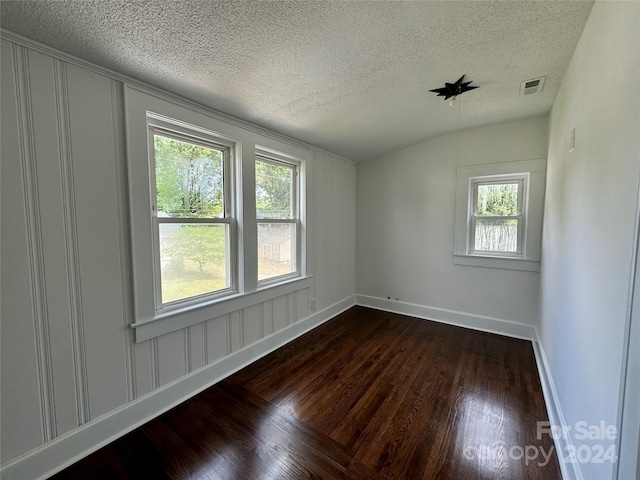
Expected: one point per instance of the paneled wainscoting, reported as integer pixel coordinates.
(369, 394)
(73, 373)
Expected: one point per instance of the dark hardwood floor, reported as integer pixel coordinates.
(368, 395)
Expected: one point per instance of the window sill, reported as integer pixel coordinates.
(275, 281)
(193, 314)
(506, 263)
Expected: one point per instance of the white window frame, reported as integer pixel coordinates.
(148, 321)
(177, 130)
(276, 158)
(522, 181)
(532, 173)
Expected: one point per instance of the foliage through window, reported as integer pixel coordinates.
(189, 178)
(277, 217)
(192, 216)
(496, 217)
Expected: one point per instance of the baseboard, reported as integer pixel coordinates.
(452, 317)
(52, 457)
(570, 471)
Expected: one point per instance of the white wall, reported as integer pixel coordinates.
(72, 376)
(590, 215)
(630, 429)
(406, 216)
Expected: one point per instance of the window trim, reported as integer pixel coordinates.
(532, 207)
(148, 323)
(522, 180)
(276, 158)
(180, 131)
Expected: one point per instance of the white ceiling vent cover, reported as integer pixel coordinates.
(529, 87)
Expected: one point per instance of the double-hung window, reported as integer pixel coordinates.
(209, 237)
(277, 216)
(192, 214)
(497, 216)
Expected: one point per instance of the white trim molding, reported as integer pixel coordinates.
(451, 317)
(497, 262)
(201, 313)
(67, 449)
(563, 443)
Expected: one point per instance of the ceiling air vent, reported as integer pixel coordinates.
(529, 87)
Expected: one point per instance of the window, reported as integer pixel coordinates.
(497, 219)
(194, 223)
(277, 218)
(192, 214)
(499, 215)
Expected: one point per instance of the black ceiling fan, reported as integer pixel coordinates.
(453, 89)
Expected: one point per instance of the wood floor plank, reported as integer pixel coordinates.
(301, 379)
(367, 395)
(351, 382)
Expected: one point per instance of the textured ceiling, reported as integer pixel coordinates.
(350, 77)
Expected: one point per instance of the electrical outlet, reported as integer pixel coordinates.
(313, 304)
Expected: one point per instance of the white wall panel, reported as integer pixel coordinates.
(251, 324)
(590, 217)
(21, 390)
(321, 213)
(334, 226)
(302, 304)
(94, 180)
(142, 371)
(68, 355)
(51, 159)
(267, 317)
(344, 230)
(124, 235)
(291, 308)
(280, 313)
(235, 331)
(217, 338)
(171, 356)
(197, 347)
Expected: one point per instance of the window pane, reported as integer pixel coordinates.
(193, 260)
(498, 199)
(276, 249)
(188, 179)
(496, 235)
(273, 190)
